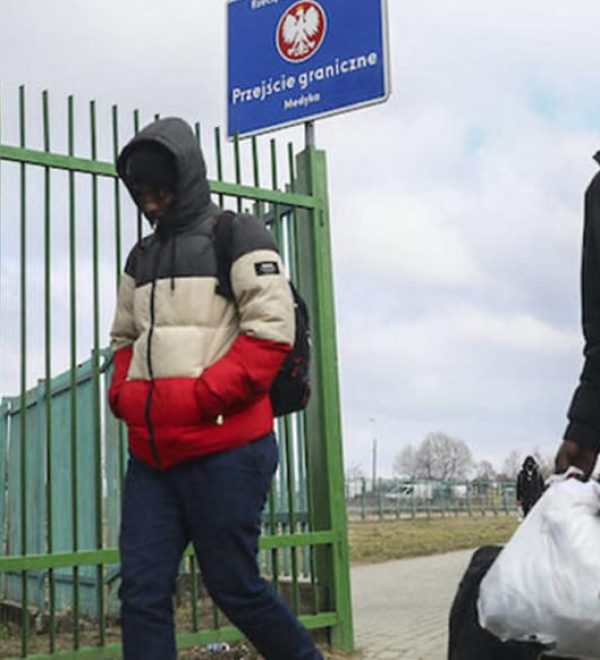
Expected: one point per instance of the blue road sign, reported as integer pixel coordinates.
(291, 61)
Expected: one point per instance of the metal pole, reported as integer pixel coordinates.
(373, 421)
(374, 463)
(309, 134)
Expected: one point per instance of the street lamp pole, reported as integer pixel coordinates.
(374, 473)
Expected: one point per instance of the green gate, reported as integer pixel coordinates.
(64, 227)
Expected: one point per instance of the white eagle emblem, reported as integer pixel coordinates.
(301, 31)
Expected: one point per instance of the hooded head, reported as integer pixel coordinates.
(152, 165)
(165, 156)
(529, 464)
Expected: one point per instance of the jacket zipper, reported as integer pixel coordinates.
(147, 415)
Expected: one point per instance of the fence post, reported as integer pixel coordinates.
(4, 409)
(323, 421)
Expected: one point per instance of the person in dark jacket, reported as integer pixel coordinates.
(530, 485)
(581, 441)
(191, 379)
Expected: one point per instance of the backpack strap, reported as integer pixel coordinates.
(223, 237)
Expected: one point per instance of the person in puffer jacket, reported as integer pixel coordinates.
(191, 379)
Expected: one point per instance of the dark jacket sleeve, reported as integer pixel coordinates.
(584, 412)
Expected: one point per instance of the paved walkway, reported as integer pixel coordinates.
(401, 607)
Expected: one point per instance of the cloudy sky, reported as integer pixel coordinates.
(456, 207)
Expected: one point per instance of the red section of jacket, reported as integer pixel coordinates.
(185, 413)
(121, 362)
(245, 373)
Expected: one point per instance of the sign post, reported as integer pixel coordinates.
(292, 61)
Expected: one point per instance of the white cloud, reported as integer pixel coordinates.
(441, 340)
(403, 236)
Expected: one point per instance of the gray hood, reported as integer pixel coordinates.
(192, 201)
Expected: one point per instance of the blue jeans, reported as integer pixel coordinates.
(216, 503)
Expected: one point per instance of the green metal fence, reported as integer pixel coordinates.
(400, 500)
(65, 225)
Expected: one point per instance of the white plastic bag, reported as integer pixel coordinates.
(545, 584)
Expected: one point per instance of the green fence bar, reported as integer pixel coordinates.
(291, 494)
(73, 370)
(107, 169)
(48, 371)
(273, 560)
(258, 207)
(118, 268)
(23, 437)
(219, 160)
(117, 197)
(194, 594)
(238, 168)
(274, 496)
(97, 433)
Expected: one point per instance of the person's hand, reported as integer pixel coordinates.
(572, 454)
(519, 502)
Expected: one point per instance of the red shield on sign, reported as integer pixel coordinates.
(301, 31)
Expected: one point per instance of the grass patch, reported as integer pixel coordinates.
(379, 541)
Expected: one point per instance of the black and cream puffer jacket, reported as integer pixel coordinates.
(192, 369)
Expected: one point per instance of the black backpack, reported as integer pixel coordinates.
(291, 388)
(467, 640)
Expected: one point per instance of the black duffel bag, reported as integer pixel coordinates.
(467, 639)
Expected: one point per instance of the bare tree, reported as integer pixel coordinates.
(484, 471)
(441, 457)
(545, 463)
(512, 465)
(405, 463)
